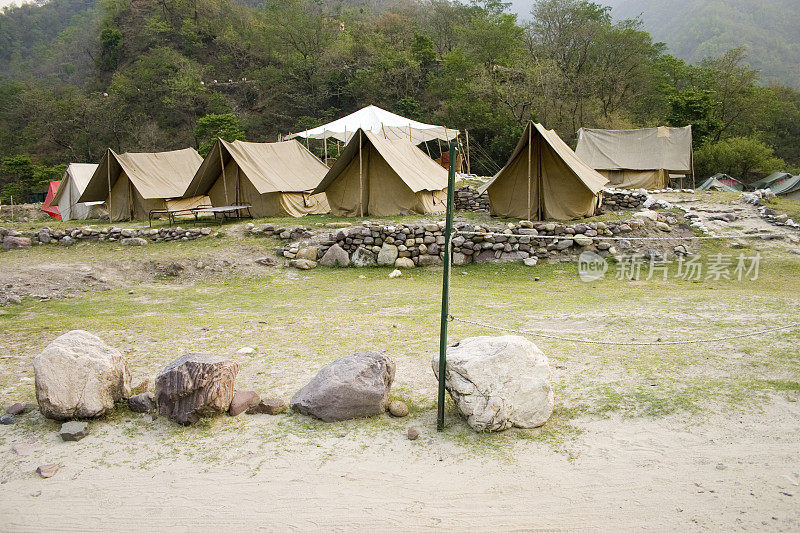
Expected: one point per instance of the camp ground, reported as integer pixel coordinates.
(544, 179)
(721, 182)
(382, 177)
(639, 158)
(134, 184)
(771, 180)
(270, 179)
(76, 178)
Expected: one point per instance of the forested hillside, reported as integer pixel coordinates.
(696, 29)
(146, 75)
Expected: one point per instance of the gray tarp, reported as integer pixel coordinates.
(637, 158)
(275, 179)
(544, 179)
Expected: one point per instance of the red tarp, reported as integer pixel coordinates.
(51, 192)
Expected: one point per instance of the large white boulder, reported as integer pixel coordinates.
(80, 376)
(498, 382)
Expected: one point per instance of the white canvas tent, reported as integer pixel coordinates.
(375, 120)
(74, 182)
(381, 177)
(638, 158)
(133, 184)
(274, 179)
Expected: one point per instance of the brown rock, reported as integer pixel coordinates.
(195, 385)
(268, 406)
(413, 433)
(16, 409)
(242, 401)
(47, 471)
(398, 408)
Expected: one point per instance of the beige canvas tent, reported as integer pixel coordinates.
(275, 179)
(133, 184)
(544, 179)
(74, 182)
(640, 158)
(381, 177)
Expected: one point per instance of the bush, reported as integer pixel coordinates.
(740, 157)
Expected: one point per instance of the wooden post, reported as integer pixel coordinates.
(530, 136)
(325, 147)
(360, 178)
(222, 164)
(108, 175)
(469, 168)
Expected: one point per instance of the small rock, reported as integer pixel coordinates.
(303, 264)
(266, 261)
(398, 408)
(363, 258)
(268, 406)
(246, 350)
(142, 403)
(242, 401)
(73, 431)
(309, 254)
(335, 257)
(16, 409)
(395, 274)
(7, 419)
(413, 433)
(404, 262)
(133, 241)
(25, 448)
(47, 471)
(530, 261)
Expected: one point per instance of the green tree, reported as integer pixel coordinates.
(740, 157)
(110, 49)
(695, 107)
(210, 127)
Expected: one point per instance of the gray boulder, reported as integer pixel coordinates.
(335, 257)
(195, 385)
(498, 382)
(79, 376)
(388, 255)
(363, 258)
(353, 386)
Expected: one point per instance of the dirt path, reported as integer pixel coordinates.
(726, 473)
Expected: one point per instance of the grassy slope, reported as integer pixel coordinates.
(302, 320)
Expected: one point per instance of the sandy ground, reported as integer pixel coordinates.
(738, 472)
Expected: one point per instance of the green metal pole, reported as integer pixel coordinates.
(448, 230)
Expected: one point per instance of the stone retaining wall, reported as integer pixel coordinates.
(13, 239)
(468, 199)
(423, 244)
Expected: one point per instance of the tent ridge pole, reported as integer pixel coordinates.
(448, 234)
(360, 177)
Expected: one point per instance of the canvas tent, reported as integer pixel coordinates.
(639, 158)
(721, 182)
(47, 206)
(382, 177)
(375, 120)
(275, 179)
(772, 180)
(74, 182)
(544, 179)
(133, 184)
(788, 188)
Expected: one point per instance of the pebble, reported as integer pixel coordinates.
(412, 433)
(7, 419)
(246, 350)
(398, 408)
(73, 430)
(47, 471)
(395, 273)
